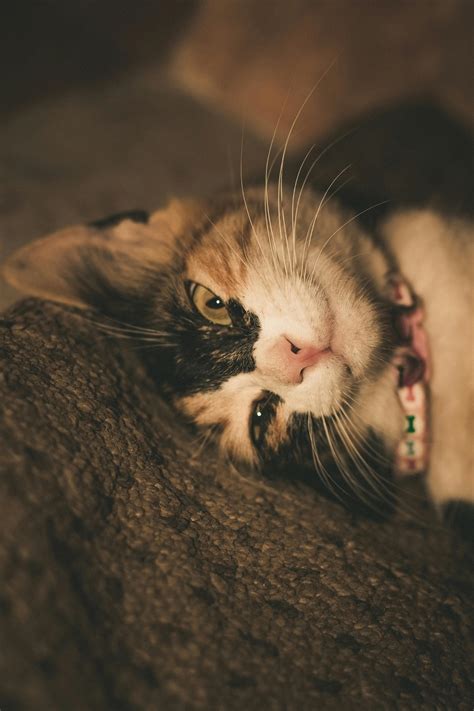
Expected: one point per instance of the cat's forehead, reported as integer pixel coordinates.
(220, 258)
(252, 247)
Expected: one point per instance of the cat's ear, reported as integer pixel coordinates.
(118, 253)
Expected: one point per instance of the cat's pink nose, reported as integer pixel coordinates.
(287, 358)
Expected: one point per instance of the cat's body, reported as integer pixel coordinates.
(436, 255)
(271, 327)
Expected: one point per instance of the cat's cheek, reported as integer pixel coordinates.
(378, 409)
(235, 442)
(226, 412)
(357, 336)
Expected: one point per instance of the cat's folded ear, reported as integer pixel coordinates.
(119, 253)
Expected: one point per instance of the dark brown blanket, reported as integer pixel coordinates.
(139, 573)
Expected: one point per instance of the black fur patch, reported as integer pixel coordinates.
(112, 220)
(261, 416)
(201, 355)
(370, 492)
(192, 354)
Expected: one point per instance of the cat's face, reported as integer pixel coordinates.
(269, 328)
(266, 319)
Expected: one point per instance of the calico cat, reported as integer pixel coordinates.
(283, 325)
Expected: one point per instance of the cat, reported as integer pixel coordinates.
(276, 318)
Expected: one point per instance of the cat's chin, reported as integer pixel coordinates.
(323, 390)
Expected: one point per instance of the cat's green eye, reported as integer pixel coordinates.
(210, 305)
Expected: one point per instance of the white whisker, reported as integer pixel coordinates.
(341, 227)
(309, 233)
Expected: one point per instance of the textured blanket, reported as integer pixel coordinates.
(138, 572)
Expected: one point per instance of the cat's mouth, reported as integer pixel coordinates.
(322, 356)
(320, 389)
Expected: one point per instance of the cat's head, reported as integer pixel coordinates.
(263, 321)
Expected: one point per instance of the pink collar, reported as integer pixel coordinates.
(412, 367)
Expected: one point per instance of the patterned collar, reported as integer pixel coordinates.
(412, 369)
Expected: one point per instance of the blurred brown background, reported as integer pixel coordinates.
(108, 105)
(131, 571)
